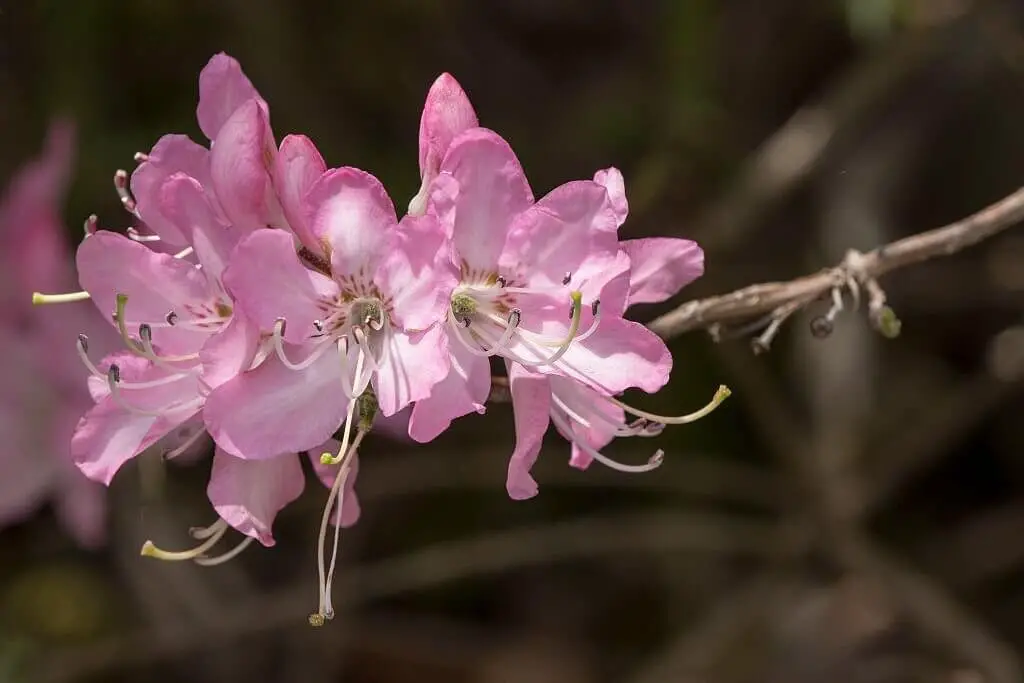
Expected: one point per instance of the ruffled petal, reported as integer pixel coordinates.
(463, 391)
(661, 266)
(223, 88)
(416, 362)
(171, 154)
(241, 160)
(155, 284)
(298, 165)
(349, 210)
(492, 192)
(248, 494)
(273, 409)
(269, 282)
(531, 403)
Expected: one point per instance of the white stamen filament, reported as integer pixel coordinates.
(325, 608)
(178, 450)
(653, 463)
(619, 428)
(201, 532)
(146, 334)
(187, 251)
(278, 342)
(226, 557)
(721, 394)
(134, 234)
(215, 533)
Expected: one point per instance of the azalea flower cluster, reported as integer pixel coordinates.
(284, 306)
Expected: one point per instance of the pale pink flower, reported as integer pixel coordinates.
(368, 317)
(588, 418)
(248, 181)
(534, 282)
(44, 391)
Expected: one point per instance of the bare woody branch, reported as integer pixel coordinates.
(764, 307)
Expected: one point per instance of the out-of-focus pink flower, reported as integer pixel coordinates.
(370, 318)
(44, 391)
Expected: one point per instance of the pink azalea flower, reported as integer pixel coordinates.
(536, 284)
(45, 393)
(248, 181)
(590, 419)
(368, 317)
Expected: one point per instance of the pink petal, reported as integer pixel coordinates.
(248, 494)
(416, 362)
(350, 508)
(492, 192)
(230, 351)
(612, 181)
(223, 88)
(531, 402)
(446, 113)
(350, 211)
(620, 354)
(241, 161)
(661, 266)
(184, 203)
(272, 409)
(171, 154)
(109, 264)
(574, 222)
(298, 165)
(269, 282)
(464, 390)
(416, 274)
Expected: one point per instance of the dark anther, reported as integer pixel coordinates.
(567, 278)
(502, 282)
(171, 318)
(114, 373)
(83, 341)
(146, 332)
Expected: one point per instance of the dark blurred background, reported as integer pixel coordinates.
(854, 513)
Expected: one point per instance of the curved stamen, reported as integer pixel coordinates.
(226, 557)
(150, 550)
(38, 298)
(653, 463)
(91, 225)
(121, 186)
(721, 394)
(277, 339)
(620, 429)
(83, 353)
(325, 608)
(469, 344)
(201, 532)
(114, 385)
(134, 234)
(178, 450)
(595, 309)
(325, 457)
(562, 346)
(146, 334)
(121, 302)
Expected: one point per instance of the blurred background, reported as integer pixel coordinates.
(854, 513)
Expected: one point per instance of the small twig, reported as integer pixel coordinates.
(856, 270)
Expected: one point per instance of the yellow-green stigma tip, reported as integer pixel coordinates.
(316, 620)
(38, 298)
(327, 459)
(577, 297)
(148, 550)
(723, 393)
